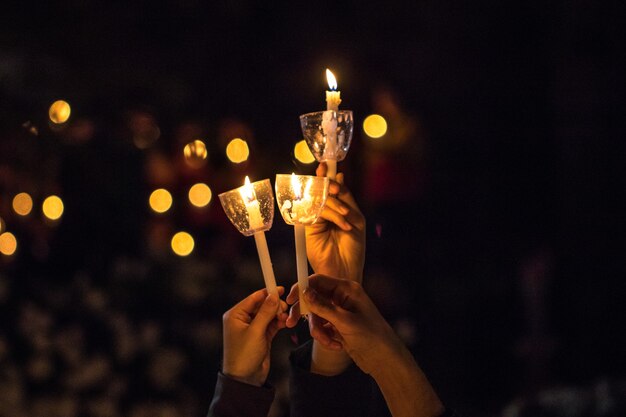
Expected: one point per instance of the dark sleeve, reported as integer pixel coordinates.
(237, 399)
(345, 395)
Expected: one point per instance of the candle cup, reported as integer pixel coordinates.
(250, 208)
(328, 134)
(301, 199)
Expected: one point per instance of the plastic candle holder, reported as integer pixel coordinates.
(328, 134)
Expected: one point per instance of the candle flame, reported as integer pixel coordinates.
(332, 81)
(247, 191)
(295, 184)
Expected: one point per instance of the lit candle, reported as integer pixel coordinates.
(329, 124)
(256, 222)
(252, 205)
(333, 97)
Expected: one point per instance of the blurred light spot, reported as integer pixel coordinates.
(144, 128)
(303, 153)
(195, 153)
(379, 229)
(375, 126)
(59, 112)
(22, 204)
(200, 195)
(8, 243)
(30, 127)
(160, 200)
(53, 207)
(2, 226)
(237, 150)
(182, 243)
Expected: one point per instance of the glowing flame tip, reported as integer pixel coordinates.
(332, 81)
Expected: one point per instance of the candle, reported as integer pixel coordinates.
(301, 199)
(252, 205)
(333, 97)
(231, 201)
(329, 124)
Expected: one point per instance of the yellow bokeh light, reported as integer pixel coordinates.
(303, 153)
(195, 153)
(375, 126)
(2, 226)
(59, 111)
(160, 200)
(237, 151)
(53, 207)
(23, 204)
(182, 243)
(8, 244)
(200, 195)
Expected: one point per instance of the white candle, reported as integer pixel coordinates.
(252, 205)
(266, 263)
(329, 124)
(333, 97)
(302, 266)
(256, 222)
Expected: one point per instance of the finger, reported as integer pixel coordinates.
(340, 292)
(276, 325)
(294, 315)
(294, 294)
(337, 205)
(335, 217)
(266, 314)
(321, 170)
(322, 333)
(322, 306)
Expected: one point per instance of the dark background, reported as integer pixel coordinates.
(503, 265)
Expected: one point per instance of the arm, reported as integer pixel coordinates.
(335, 246)
(360, 330)
(249, 328)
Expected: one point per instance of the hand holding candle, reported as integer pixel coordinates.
(250, 209)
(301, 199)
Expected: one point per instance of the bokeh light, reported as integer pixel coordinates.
(53, 207)
(8, 243)
(59, 112)
(375, 126)
(195, 153)
(23, 204)
(303, 153)
(237, 151)
(2, 226)
(200, 195)
(160, 200)
(182, 243)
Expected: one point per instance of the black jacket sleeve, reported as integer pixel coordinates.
(237, 399)
(351, 393)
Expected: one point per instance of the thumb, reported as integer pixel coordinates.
(267, 312)
(321, 306)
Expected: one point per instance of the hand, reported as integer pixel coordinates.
(354, 323)
(249, 328)
(350, 321)
(336, 242)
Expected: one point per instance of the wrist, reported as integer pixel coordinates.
(328, 362)
(246, 379)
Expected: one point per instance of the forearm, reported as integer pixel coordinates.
(406, 389)
(328, 362)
